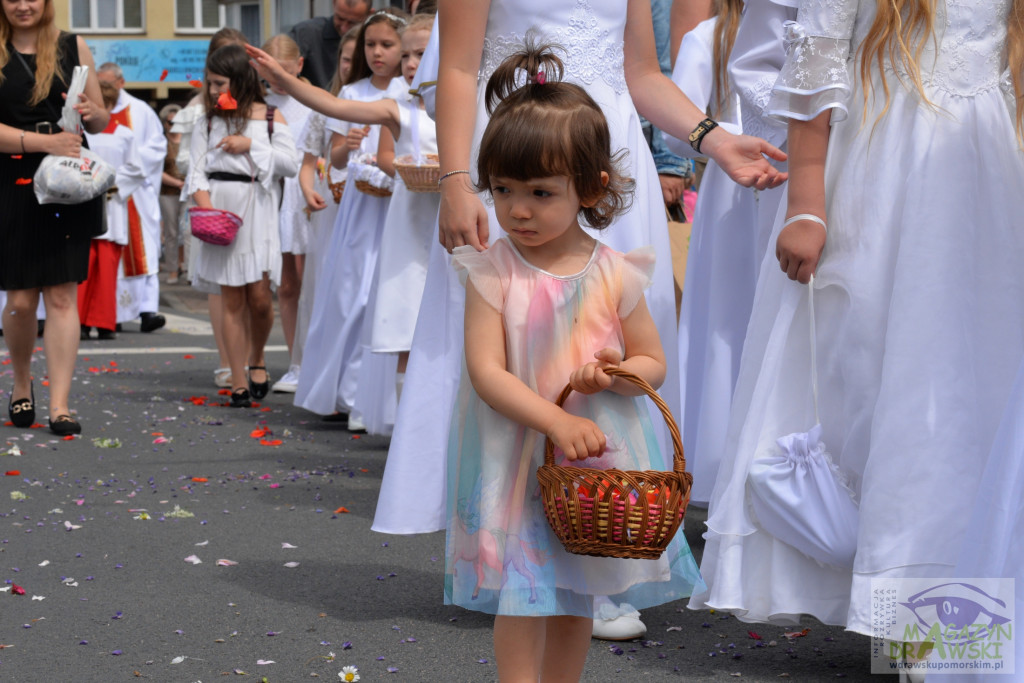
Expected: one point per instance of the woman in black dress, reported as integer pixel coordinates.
(45, 248)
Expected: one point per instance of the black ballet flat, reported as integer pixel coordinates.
(240, 399)
(64, 425)
(23, 411)
(259, 389)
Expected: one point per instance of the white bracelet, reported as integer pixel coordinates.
(806, 217)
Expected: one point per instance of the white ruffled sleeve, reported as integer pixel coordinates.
(816, 75)
(276, 159)
(481, 268)
(196, 179)
(637, 274)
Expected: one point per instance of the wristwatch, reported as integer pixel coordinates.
(702, 129)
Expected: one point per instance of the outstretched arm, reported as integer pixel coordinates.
(384, 112)
(657, 98)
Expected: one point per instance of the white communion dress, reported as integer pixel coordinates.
(412, 496)
(920, 315)
(333, 352)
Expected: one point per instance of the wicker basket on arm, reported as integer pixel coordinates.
(616, 513)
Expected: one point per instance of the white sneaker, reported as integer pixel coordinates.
(626, 627)
(356, 424)
(222, 377)
(289, 383)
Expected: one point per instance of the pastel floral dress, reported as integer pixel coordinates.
(501, 557)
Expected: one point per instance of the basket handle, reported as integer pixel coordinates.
(678, 458)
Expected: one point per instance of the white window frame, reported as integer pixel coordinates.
(198, 13)
(93, 19)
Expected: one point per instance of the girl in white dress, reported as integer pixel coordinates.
(600, 40)
(546, 305)
(333, 351)
(405, 244)
(722, 259)
(294, 222)
(236, 163)
(184, 125)
(321, 183)
(918, 291)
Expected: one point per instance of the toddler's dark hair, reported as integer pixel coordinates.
(545, 127)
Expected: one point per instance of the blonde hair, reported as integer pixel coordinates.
(48, 53)
(727, 24)
(419, 22)
(282, 48)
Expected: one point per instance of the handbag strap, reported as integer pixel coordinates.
(32, 75)
(814, 349)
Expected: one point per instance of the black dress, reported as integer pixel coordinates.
(40, 245)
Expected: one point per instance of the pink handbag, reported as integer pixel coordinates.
(214, 226)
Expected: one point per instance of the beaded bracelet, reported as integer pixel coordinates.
(448, 174)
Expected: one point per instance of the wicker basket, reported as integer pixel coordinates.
(419, 178)
(337, 189)
(616, 513)
(214, 226)
(366, 188)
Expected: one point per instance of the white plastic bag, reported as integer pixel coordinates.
(798, 494)
(72, 180)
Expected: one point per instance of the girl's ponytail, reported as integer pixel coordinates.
(531, 67)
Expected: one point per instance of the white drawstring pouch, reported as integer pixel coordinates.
(72, 180)
(800, 496)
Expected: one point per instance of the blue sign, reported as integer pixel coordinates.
(146, 60)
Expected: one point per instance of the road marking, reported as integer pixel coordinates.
(156, 350)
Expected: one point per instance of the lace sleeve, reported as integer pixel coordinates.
(311, 140)
(816, 75)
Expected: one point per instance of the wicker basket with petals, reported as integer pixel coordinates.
(616, 513)
(419, 177)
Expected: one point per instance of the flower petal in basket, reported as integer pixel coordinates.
(800, 497)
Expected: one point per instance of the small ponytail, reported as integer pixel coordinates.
(541, 126)
(536, 60)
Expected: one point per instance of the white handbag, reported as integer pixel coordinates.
(799, 495)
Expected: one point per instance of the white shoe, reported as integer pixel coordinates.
(222, 377)
(356, 424)
(625, 627)
(289, 383)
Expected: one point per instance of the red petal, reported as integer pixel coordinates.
(196, 84)
(163, 74)
(13, 473)
(226, 102)
(340, 511)
(753, 635)
(17, 590)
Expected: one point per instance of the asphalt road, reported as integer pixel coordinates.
(117, 539)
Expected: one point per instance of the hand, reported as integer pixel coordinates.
(314, 202)
(672, 187)
(63, 144)
(592, 378)
(798, 249)
(266, 66)
(462, 218)
(86, 108)
(235, 144)
(355, 136)
(743, 158)
(578, 437)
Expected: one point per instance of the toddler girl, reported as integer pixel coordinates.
(239, 152)
(545, 305)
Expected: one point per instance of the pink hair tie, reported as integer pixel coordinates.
(541, 78)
